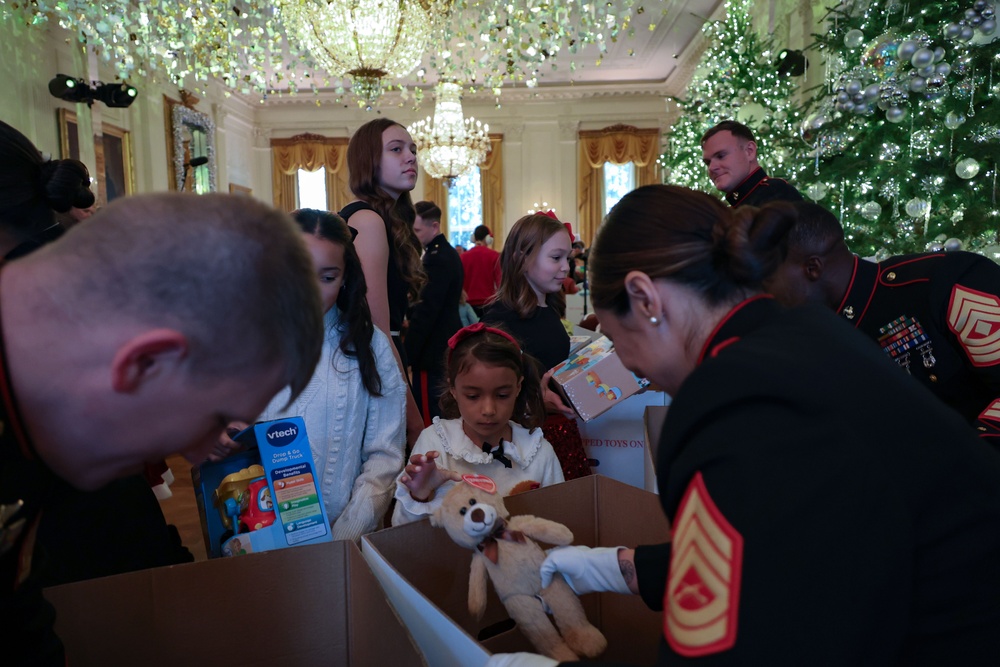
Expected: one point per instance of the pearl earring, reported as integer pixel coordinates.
(653, 320)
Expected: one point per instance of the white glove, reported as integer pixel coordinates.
(520, 660)
(586, 570)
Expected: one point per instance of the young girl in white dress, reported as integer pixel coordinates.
(494, 408)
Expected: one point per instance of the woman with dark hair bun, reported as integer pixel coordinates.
(32, 191)
(824, 507)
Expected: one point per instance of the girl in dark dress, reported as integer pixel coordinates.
(534, 263)
(382, 160)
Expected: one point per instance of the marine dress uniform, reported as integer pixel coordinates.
(811, 525)
(758, 188)
(938, 316)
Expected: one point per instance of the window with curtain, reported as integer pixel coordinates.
(311, 188)
(310, 162)
(618, 145)
(485, 206)
(619, 180)
(465, 208)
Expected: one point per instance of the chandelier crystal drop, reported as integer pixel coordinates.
(368, 40)
(450, 144)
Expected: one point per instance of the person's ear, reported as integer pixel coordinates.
(146, 356)
(751, 149)
(644, 299)
(813, 267)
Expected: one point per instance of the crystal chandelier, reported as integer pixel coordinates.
(451, 144)
(368, 40)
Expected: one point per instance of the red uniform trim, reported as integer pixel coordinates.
(425, 408)
(710, 344)
(899, 264)
(847, 294)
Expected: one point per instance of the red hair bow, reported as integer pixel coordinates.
(476, 328)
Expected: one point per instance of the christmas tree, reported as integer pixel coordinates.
(738, 79)
(906, 130)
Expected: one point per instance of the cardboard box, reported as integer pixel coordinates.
(316, 605)
(593, 379)
(280, 449)
(616, 442)
(426, 575)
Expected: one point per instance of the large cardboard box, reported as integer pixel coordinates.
(426, 575)
(312, 605)
(593, 379)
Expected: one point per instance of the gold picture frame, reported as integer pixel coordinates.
(240, 190)
(117, 178)
(69, 135)
(115, 165)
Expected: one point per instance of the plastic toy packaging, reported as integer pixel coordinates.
(244, 503)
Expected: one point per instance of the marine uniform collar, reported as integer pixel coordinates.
(749, 184)
(860, 291)
(744, 317)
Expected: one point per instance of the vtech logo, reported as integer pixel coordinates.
(281, 434)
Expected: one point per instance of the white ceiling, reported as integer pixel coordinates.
(649, 61)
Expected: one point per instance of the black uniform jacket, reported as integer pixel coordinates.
(435, 319)
(27, 636)
(758, 188)
(938, 316)
(825, 510)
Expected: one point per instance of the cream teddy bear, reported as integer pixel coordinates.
(475, 517)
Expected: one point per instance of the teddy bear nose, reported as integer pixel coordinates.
(478, 515)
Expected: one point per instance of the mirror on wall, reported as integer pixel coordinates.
(191, 148)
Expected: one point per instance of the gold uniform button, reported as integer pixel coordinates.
(891, 275)
(933, 377)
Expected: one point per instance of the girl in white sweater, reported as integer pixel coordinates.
(494, 401)
(354, 405)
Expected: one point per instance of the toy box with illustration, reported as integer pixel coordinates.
(594, 380)
(264, 498)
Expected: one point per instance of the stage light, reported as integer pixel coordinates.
(70, 89)
(118, 95)
(791, 62)
(67, 88)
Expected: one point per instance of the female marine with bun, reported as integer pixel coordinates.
(825, 509)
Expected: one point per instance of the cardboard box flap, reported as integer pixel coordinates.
(289, 607)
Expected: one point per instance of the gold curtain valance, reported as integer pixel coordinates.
(309, 152)
(618, 144)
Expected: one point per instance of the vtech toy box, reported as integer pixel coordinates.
(264, 498)
(594, 380)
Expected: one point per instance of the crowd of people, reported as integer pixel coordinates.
(827, 505)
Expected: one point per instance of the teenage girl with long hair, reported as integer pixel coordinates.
(382, 160)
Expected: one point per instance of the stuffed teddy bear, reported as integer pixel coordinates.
(475, 517)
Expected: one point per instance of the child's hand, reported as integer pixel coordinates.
(554, 402)
(422, 476)
(226, 444)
